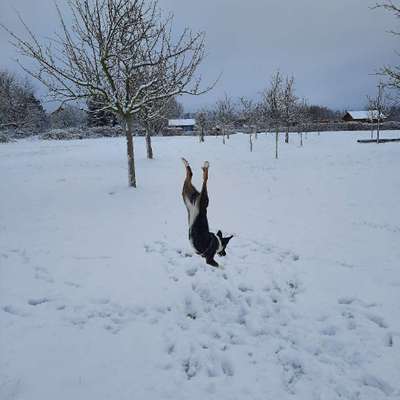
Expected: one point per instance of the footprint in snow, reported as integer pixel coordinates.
(38, 301)
(293, 371)
(11, 388)
(101, 300)
(329, 331)
(13, 310)
(346, 300)
(377, 383)
(42, 273)
(378, 320)
(191, 270)
(389, 339)
(72, 284)
(355, 301)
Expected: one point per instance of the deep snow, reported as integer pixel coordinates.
(101, 296)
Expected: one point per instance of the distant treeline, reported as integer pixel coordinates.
(22, 114)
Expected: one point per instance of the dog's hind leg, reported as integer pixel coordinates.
(189, 192)
(204, 201)
(205, 168)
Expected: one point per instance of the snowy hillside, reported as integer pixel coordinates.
(101, 296)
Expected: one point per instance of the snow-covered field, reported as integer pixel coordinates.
(101, 296)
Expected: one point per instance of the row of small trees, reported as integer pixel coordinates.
(278, 108)
(263, 114)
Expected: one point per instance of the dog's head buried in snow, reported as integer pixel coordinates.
(204, 242)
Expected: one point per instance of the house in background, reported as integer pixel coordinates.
(186, 125)
(363, 116)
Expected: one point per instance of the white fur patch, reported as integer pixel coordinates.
(220, 247)
(193, 210)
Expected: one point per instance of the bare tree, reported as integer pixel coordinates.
(249, 111)
(302, 116)
(121, 51)
(97, 116)
(378, 106)
(174, 109)
(391, 73)
(264, 114)
(318, 114)
(68, 116)
(153, 117)
(202, 122)
(272, 98)
(225, 114)
(289, 100)
(371, 115)
(149, 117)
(19, 107)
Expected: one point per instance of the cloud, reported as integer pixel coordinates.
(331, 47)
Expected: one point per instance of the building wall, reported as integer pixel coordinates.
(185, 128)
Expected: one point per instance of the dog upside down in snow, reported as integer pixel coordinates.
(205, 243)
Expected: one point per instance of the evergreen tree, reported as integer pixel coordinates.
(97, 116)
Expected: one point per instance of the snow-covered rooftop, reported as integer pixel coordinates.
(365, 114)
(182, 122)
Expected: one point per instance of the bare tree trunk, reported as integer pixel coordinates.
(301, 139)
(276, 143)
(149, 148)
(130, 151)
(251, 143)
(223, 135)
(378, 131)
(201, 135)
(372, 130)
(287, 135)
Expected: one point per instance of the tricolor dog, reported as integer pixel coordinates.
(205, 243)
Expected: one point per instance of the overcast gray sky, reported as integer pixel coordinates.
(331, 46)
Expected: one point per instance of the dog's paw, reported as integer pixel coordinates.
(185, 162)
